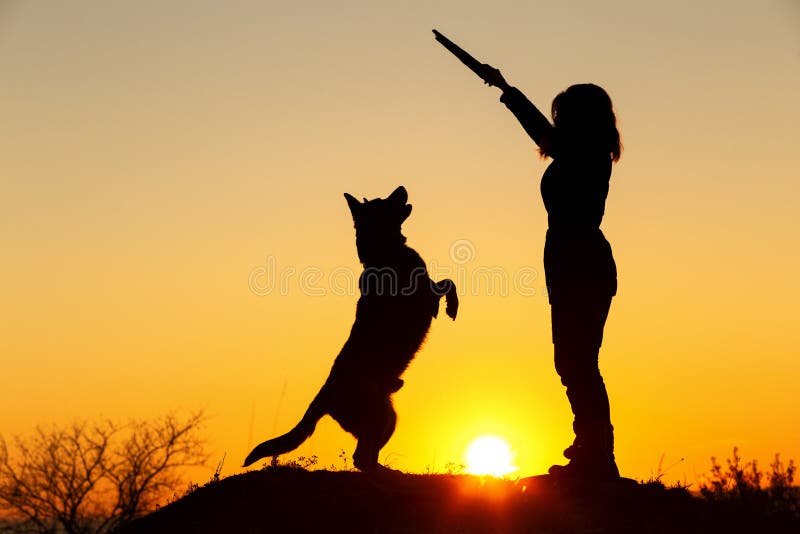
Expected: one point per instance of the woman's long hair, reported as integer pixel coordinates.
(584, 119)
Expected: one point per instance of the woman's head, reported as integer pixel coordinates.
(584, 119)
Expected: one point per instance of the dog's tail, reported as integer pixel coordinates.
(292, 439)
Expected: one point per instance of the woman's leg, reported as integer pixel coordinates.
(577, 337)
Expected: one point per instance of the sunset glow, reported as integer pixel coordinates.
(490, 455)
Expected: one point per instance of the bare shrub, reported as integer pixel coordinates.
(92, 477)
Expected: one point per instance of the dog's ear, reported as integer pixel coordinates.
(355, 205)
(399, 196)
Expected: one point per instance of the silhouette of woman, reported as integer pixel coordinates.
(581, 275)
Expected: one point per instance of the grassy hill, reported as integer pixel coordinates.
(287, 499)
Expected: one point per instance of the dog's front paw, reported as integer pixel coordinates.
(452, 310)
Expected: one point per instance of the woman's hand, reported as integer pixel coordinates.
(493, 76)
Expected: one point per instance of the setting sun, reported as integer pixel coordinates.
(490, 455)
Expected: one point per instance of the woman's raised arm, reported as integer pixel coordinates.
(532, 120)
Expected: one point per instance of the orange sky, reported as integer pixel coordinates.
(155, 155)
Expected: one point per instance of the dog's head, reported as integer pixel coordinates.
(380, 215)
(378, 221)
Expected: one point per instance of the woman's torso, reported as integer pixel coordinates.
(578, 260)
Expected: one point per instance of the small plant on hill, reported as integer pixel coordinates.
(774, 492)
(301, 462)
(657, 480)
(454, 468)
(309, 463)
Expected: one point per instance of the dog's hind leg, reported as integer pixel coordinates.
(389, 423)
(374, 436)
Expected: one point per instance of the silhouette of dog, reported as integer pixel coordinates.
(394, 313)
